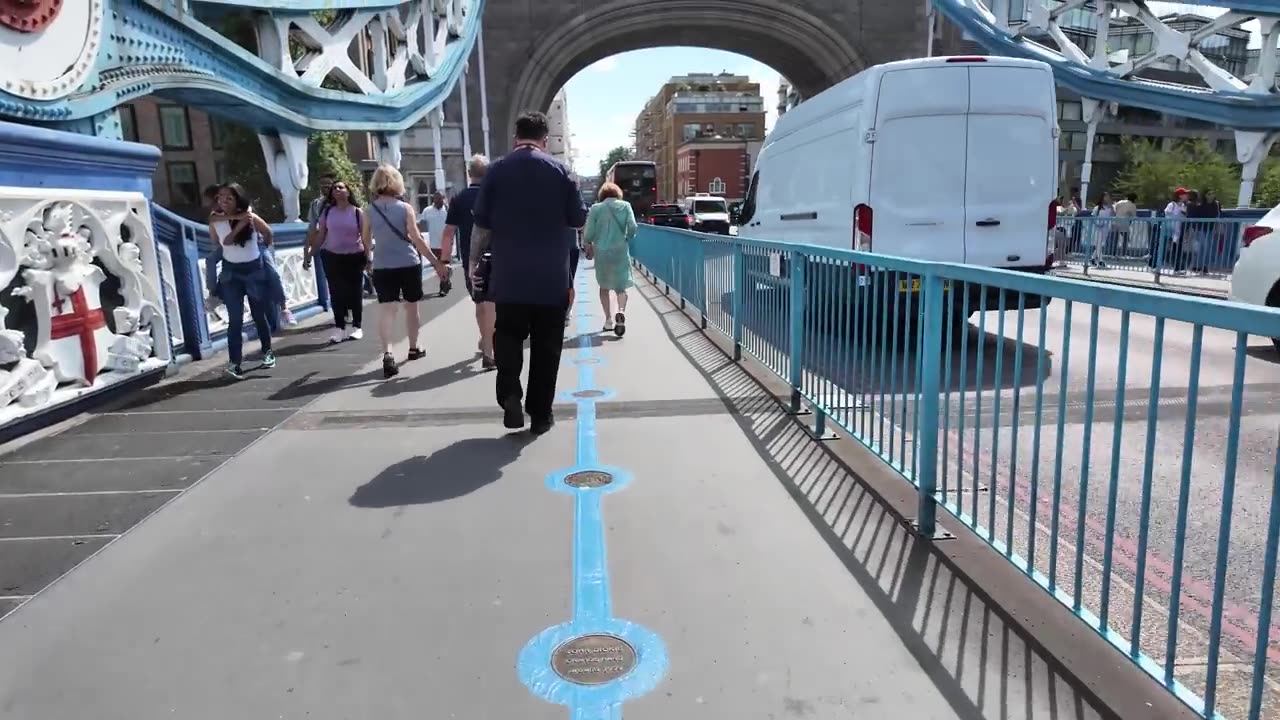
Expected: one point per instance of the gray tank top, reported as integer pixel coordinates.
(390, 249)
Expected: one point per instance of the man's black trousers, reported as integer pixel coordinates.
(543, 327)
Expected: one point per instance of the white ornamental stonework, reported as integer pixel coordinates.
(57, 250)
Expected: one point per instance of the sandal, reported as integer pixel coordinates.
(415, 353)
(619, 324)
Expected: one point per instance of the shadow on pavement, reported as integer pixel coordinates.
(984, 664)
(448, 473)
(430, 380)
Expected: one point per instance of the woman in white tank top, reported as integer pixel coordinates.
(245, 275)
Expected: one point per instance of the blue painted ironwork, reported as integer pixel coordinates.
(1222, 107)
(165, 48)
(1158, 246)
(871, 343)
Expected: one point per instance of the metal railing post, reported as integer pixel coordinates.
(796, 326)
(930, 382)
(701, 280)
(739, 287)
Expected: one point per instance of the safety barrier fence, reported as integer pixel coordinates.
(1154, 247)
(1117, 446)
(204, 322)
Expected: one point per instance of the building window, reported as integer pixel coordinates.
(175, 128)
(183, 187)
(691, 131)
(745, 130)
(220, 170)
(128, 123)
(716, 186)
(1073, 141)
(1070, 111)
(218, 131)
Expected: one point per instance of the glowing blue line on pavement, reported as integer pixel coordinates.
(592, 603)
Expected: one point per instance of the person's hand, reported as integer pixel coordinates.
(442, 270)
(306, 263)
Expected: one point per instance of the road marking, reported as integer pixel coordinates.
(6, 496)
(104, 536)
(592, 601)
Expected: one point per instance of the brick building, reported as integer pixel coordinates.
(692, 107)
(191, 151)
(720, 166)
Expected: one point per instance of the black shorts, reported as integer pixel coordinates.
(398, 284)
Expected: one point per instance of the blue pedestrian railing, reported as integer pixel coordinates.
(1153, 246)
(1118, 446)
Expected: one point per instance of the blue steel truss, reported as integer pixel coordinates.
(1229, 108)
(168, 49)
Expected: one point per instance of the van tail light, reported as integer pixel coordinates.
(1053, 213)
(1253, 232)
(862, 224)
(651, 221)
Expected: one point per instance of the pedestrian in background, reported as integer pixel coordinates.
(398, 250)
(611, 226)
(526, 211)
(344, 257)
(458, 226)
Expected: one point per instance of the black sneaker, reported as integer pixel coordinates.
(416, 353)
(389, 369)
(541, 426)
(512, 414)
(234, 371)
(488, 363)
(269, 360)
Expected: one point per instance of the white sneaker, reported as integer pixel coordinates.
(288, 318)
(355, 334)
(337, 336)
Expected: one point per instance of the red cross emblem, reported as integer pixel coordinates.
(81, 322)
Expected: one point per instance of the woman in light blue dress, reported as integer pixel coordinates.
(611, 226)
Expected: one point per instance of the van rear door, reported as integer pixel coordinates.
(1011, 161)
(917, 184)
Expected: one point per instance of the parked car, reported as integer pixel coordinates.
(669, 215)
(710, 213)
(1255, 279)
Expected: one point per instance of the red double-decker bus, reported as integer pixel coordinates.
(639, 182)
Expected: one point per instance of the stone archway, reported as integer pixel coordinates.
(813, 43)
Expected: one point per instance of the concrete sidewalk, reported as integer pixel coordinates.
(391, 552)
(1197, 285)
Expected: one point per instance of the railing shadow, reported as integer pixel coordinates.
(828, 353)
(983, 663)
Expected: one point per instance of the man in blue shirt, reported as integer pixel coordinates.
(457, 229)
(527, 204)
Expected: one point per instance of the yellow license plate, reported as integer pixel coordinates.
(913, 285)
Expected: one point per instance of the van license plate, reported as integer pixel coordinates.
(915, 285)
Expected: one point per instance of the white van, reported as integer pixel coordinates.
(710, 213)
(950, 159)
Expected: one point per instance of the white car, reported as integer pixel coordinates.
(1255, 280)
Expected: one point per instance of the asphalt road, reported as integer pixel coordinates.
(1011, 393)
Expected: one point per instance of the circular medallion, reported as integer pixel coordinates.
(593, 659)
(588, 479)
(28, 16)
(52, 46)
(589, 394)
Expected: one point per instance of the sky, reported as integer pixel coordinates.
(605, 98)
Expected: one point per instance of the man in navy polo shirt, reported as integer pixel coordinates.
(528, 203)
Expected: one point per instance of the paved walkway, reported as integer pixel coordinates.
(1213, 287)
(389, 551)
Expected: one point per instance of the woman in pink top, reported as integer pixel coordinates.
(345, 256)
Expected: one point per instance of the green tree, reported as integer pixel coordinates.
(1267, 191)
(1152, 173)
(617, 154)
